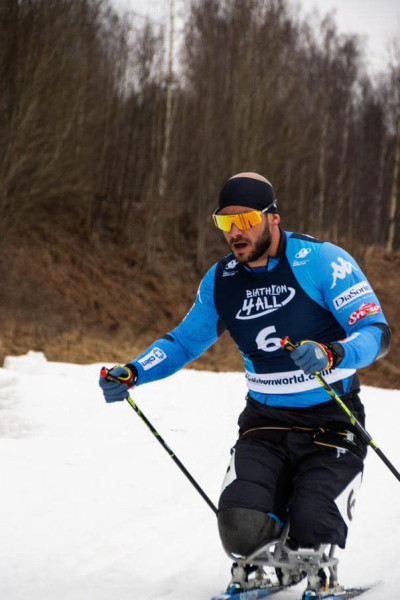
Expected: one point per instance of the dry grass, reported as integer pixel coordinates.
(83, 302)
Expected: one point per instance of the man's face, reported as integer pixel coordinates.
(250, 245)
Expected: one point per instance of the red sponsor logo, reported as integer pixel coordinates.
(365, 310)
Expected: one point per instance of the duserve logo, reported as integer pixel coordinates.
(303, 253)
(351, 294)
(232, 264)
(230, 268)
(153, 358)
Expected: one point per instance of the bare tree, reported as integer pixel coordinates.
(51, 140)
(394, 191)
(97, 122)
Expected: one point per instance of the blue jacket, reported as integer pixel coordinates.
(310, 290)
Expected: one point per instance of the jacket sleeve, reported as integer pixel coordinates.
(350, 298)
(191, 338)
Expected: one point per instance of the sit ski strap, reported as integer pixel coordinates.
(338, 435)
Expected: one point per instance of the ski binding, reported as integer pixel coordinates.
(278, 565)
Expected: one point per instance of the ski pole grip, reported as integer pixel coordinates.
(129, 378)
(288, 344)
(104, 372)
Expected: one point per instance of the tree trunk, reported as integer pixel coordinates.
(168, 108)
(394, 190)
(322, 175)
(341, 188)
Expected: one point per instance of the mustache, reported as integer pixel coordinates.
(240, 240)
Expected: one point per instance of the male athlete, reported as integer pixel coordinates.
(296, 453)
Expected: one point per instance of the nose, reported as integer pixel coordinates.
(235, 231)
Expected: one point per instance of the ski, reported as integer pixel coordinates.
(345, 594)
(255, 593)
(252, 594)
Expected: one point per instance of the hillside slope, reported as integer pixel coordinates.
(91, 508)
(85, 301)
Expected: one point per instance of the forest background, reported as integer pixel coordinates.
(115, 141)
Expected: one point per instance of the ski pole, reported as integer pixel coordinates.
(172, 454)
(290, 345)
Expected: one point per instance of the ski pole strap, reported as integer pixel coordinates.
(288, 344)
(127, 376)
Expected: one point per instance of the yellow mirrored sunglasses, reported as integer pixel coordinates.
(242, 221)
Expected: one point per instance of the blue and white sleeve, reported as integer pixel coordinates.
(350, 298)
(191, 338)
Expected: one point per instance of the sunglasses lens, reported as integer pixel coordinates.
(243, 221)
(251, 219)
(224, 222)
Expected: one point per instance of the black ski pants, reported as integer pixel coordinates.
(312, 484)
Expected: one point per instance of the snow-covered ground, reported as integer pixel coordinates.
(92, 508)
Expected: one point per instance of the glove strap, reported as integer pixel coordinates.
(334, 351)
(129, 378)
(337, 353)
(325, 349)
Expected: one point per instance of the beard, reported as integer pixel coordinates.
(259, 248)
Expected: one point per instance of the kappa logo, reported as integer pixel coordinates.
(341, 269)
(263, 301)
(340, 452)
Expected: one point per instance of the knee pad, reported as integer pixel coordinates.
(243, 530)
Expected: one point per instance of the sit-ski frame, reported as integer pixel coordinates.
(293, 563)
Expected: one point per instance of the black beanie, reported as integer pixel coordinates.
(246, 191)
